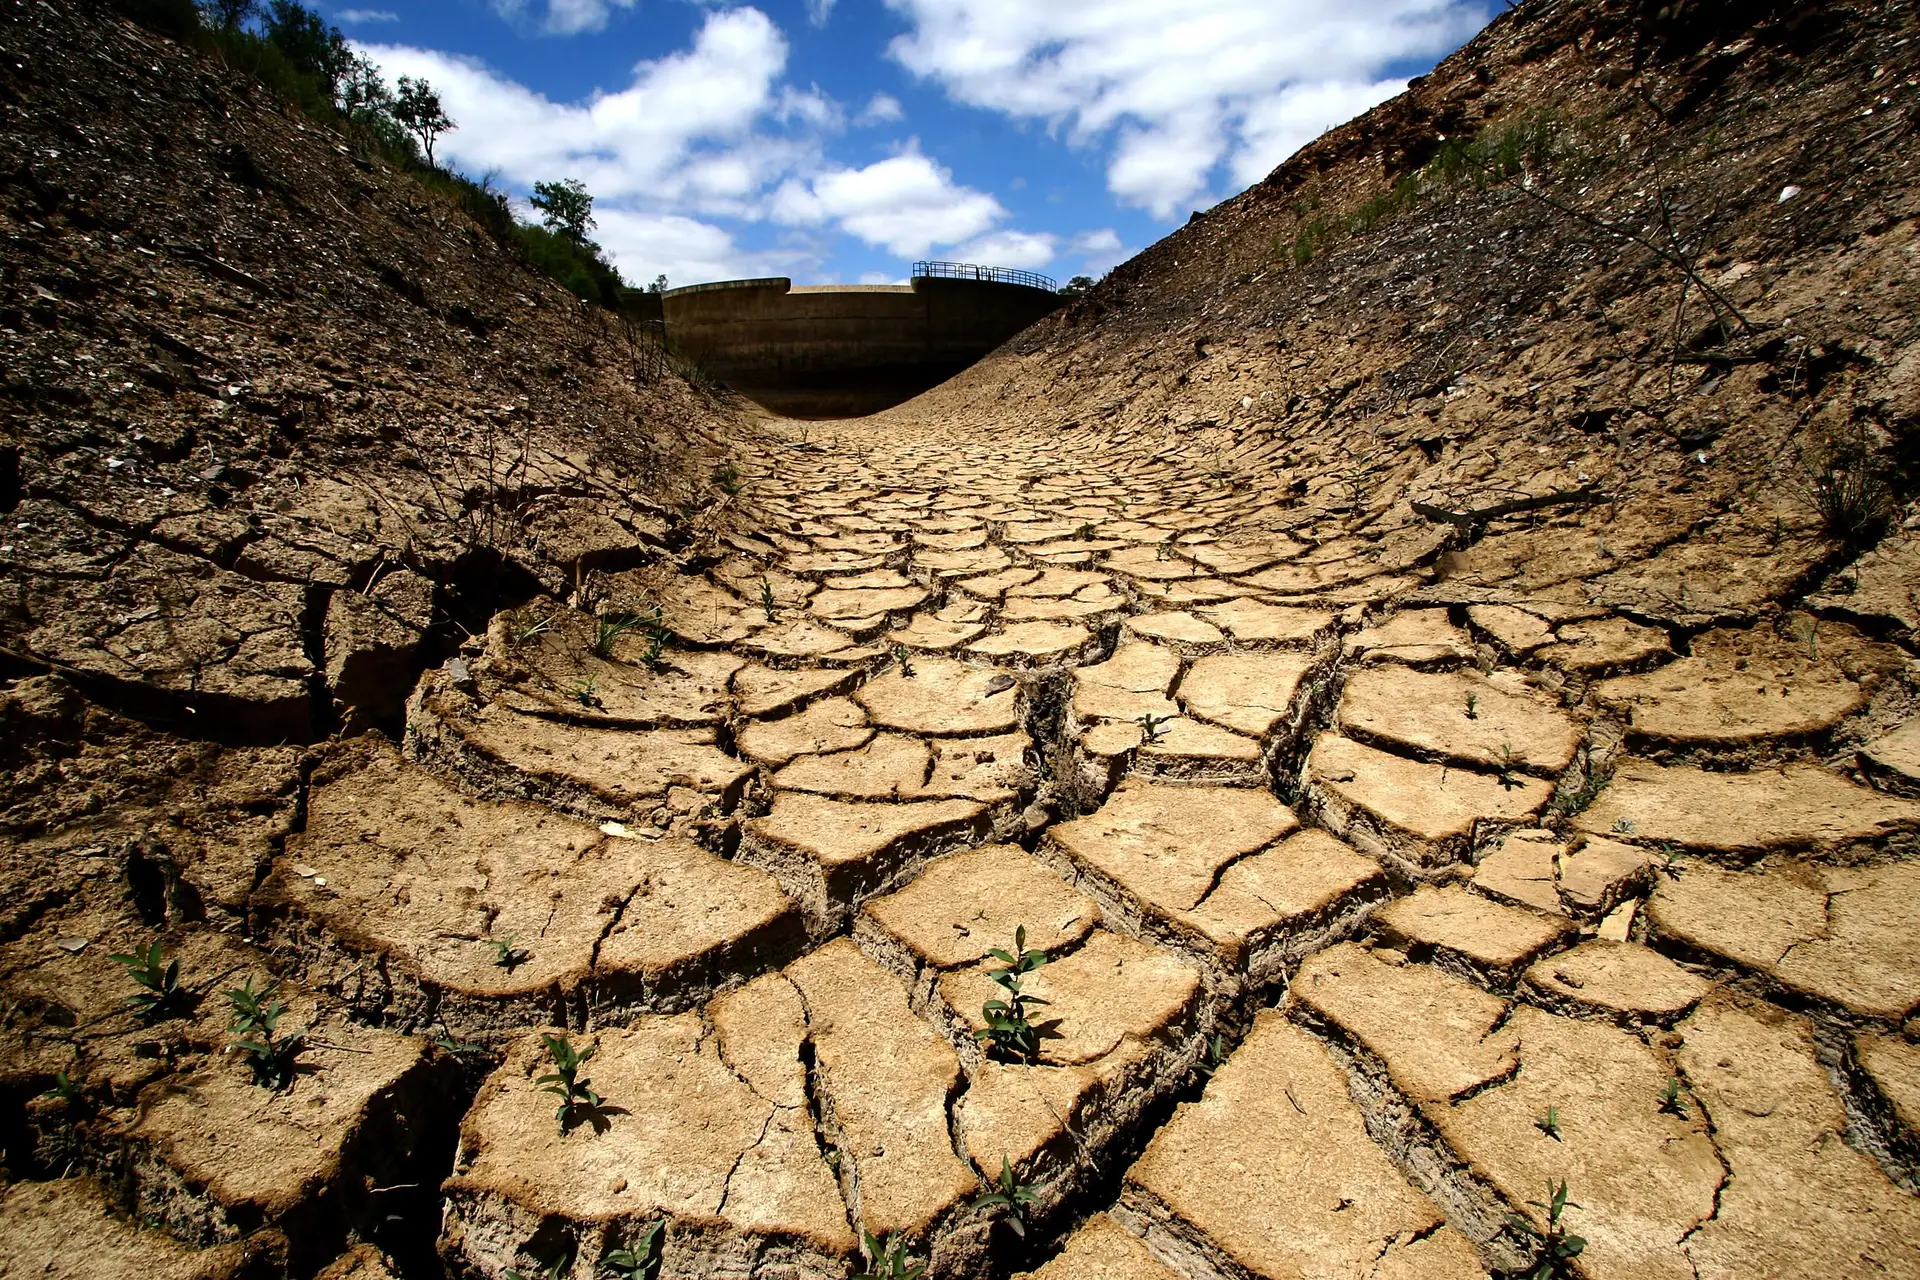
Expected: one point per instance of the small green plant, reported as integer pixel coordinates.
(903, 660)
(1150, 726)
(256, 1021)
(1008, 1028)
(537, 627)
(65, 1088)
(1549, 1124)
(1509, 778)
(767, 602)
(728, 478)
(887, 1260)
(159, 995)
(1848, 488)
(1473, 706)
(609, 627)
(653, 625)
(1555, 1248)
(1085, 532)
(587, 693)
(552, 1271)
(443, 1040)
(1623, 826)
(1008, 1200)
(578, 1101)
(1671, 1103)
(506, 954)
(641, 1257)
(1216, 1056)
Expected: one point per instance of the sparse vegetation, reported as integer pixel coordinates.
(1150, 726)
(1555, 1248)
(609, 627)
(1549, 1123)
(1009, 1031)
(1473, 705)
(534, 629)
(560, 1266)
(1850, 490)
(767, 603)
(578, 1101)
(505, 954)
(640, 1258)
(159, 995)
(1671, 1103)
(728, 478)
(887, 1260)
(1509, 768)
(903, 659)
(586, 692)
(1216, 1056)
(256, 1021)
(1008, 1201)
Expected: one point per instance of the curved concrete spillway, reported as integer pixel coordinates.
(839, 351)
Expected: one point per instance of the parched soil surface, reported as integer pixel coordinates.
(1405, 691)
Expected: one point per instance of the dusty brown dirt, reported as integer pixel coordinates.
(1401, 686)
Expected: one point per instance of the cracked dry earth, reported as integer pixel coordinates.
(1368, 913)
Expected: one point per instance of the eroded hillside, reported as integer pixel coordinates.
(1380, 743)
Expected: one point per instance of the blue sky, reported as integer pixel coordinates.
(841, 140)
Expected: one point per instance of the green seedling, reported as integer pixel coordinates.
(1008, 1200)
(1085, 532)
(640, 1259)
(552, 1271)
(1549, 1123)
(443, 1040)
(728, 478)
(538, 627)
(1508, 779)
(1473, 706)
(1150, 726)
(653, 623)
(256, 1021)
(1555, 1248)
(767, 602)
(159, 994)
(1216, 1056)
(65, 1088)
(903, 660)
(609, 627)
(1623, 826)
(587, 692)
(578, 1101)
(887, 1260)
(1671, 1103)
(1008, 1028)
(505, 954)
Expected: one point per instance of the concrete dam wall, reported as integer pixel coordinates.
(839, 351)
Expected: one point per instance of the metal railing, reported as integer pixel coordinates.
(995, 275)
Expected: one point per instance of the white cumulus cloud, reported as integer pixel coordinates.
(354, 16)
(906, 204)
(1175, 94)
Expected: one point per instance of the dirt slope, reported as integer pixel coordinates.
(273, 410)
(1377, 668)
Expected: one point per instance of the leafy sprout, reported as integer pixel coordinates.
(728, 478)
(587, 692)
(1555, 1248)
(887, 1260)
(1150, 725)
(552, 1271)
(1008, 1200)
(256, 1021)
(159, 995)
(65, 1088)
(1216, 1055)
(641, 1257)
(537, 627)
(1008, 1028)
(767, 603)
(1508, 765)
(904, 660)
(1549, 1123)
(609, 627)
(1473, 706)
(578, 1101)
(1671, 1103)
(505, 954)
